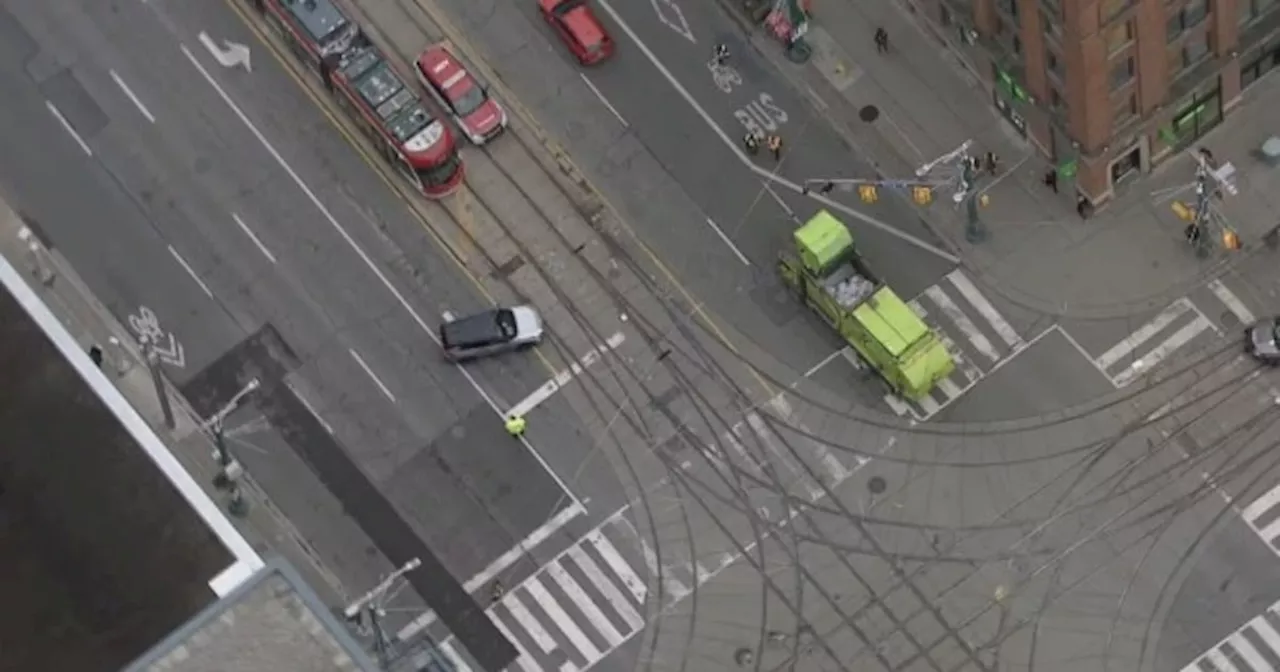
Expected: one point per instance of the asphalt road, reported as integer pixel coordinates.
(289, 310)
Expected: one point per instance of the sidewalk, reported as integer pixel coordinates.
(1039, 253)
(264, 526)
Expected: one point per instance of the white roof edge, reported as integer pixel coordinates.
(247, 559)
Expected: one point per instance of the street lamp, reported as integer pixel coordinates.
(229, 469)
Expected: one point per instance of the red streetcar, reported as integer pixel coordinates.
(392, 115)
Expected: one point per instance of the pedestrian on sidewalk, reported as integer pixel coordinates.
(499, 591)
(1051, 179)
(95, 355)
(775, 146)
(515, 426)
(882, 41)
(1083, 207)
(990, 161)
(752, 142)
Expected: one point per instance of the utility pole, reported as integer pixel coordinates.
(1204, 220)
(366, 612)
(157, 379)
(229, 469)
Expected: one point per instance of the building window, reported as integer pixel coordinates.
(1119, 36)
(1055, 100)
(1110, 8)
(1122, 73)
(1053, 64)
(1009, 7)
(1253, 9)
(1187, 55)
(1123, 110)
(1188, 17)
(1054, 7)
(1051, 27)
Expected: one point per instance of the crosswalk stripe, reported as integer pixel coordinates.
(744, 456)
(949, 388)
(970, 371)
(1143, 334)
(609, 553)
(830, 463)
(1233, 302)
(606, 587)
(561, 618)
(1245, 648)
(524, 659)
(762, 430)
(585, 604)
(452, 654)
(526, 619)
(899, 407)
(928, 405)
(918, 309)
(1157, 355)
(962, 321)
(1267, 633)
(1261, 505)
(974, 297)
(1270, 532)
(1220, 661)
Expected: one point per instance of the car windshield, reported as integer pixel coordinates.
(469, 101)
(440, 174)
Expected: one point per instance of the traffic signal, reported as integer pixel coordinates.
(921, 195)
(868, 193)
(1183, 212)
(1230, 240)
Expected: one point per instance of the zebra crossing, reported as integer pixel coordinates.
(978, 337)
(1172, 329)
(1263, 517)
(570, 614)
(1255, 647)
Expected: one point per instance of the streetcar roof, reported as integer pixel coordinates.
(321, 18)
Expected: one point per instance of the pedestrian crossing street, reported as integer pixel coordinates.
(573, 612)
(1173, 329)
(973, 330)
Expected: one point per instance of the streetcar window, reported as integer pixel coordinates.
(442, 174)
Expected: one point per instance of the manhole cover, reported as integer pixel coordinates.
(876, 485)
(869, 113)
(1229, 320)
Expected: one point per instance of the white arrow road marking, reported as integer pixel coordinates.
(229, 57)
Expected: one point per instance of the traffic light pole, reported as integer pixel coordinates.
(366, 612)
(229, 469)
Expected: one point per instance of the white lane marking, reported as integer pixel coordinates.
(611, 594)
(376, 380)
(833, 466)
(609, 553)
(452, 654)
(738, 253)
(604, 101)
(928, 405)
(524, 659)
(57, 114)
(252, 236)
(1233, 302)
(967, 327)
(1250, 655)
(368, 262)
(899, 406)
(825, 361)
(564, 377)
(129, 93)
(1261, 505)
(1153, 358)
(679, 24)
(853, 358)
(578, 596)
(307, 405)
(989, 312)
(762, 172)
(190, 271)
(523, 548)
(1143, 334)
(563, 621)
(537, 633)
(1080, 349)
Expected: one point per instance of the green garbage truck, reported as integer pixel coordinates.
(827, 273)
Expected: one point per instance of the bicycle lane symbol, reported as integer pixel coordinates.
(146, 327)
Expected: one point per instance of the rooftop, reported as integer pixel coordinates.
(107, 546)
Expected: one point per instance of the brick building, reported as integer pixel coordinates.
(1109, 88)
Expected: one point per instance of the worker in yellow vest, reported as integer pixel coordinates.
(515, 426)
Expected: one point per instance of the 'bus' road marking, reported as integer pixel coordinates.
(364, 257)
